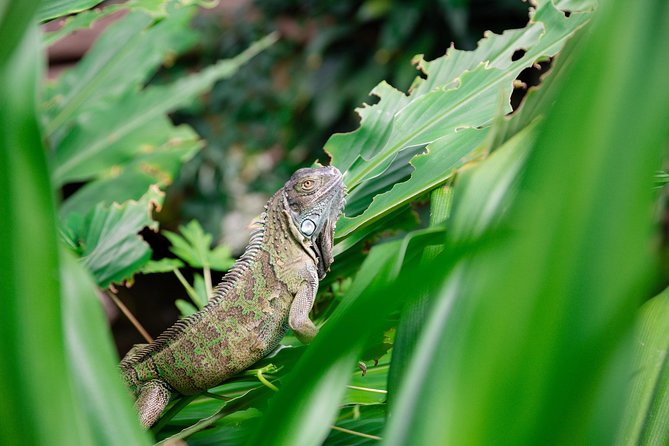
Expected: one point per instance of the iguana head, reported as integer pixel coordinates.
(314, 198)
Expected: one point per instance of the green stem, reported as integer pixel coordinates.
(368, 389)
(206, 272)
(172, 411)
(356, 433)
(441, 201)
(264, 380)
(189, 289)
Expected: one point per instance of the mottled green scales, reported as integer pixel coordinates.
(271, 288)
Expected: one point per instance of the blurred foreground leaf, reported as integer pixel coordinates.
(41, 403)
(93, 361)
(646, 420)
(32, 331)
(528, 340)
(50, 9)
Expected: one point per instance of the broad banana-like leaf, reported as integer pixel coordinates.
(105, 126)
(104, 74)
(444, 118)
(162, 151)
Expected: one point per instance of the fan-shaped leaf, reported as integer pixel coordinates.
(107, 237)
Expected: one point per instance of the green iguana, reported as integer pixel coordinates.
(270, 288)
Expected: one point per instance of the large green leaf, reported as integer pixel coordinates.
(40, 403)
(160, 151)
(646, 420)
(107, 237)
(103, 76)
(528, 342)
(37, 403)
(92, 138)
(93, 361)
(463, 92)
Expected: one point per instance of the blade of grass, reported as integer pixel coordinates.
(93, 361)
(37, 403)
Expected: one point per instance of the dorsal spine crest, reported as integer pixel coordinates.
(228, 282)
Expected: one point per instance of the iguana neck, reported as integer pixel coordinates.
(280, 230)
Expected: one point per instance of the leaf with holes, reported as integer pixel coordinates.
(442, 122)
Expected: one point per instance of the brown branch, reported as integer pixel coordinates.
(130, 316)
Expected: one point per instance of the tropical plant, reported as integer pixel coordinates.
(506, 318)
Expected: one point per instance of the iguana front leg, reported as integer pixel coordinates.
(298, 318)
(152, 398)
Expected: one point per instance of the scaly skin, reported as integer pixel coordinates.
(270, 288)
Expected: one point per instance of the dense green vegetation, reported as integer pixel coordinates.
(495, 268)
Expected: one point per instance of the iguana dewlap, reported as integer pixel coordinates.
(270, 288)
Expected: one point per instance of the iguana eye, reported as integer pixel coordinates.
(307, 184)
